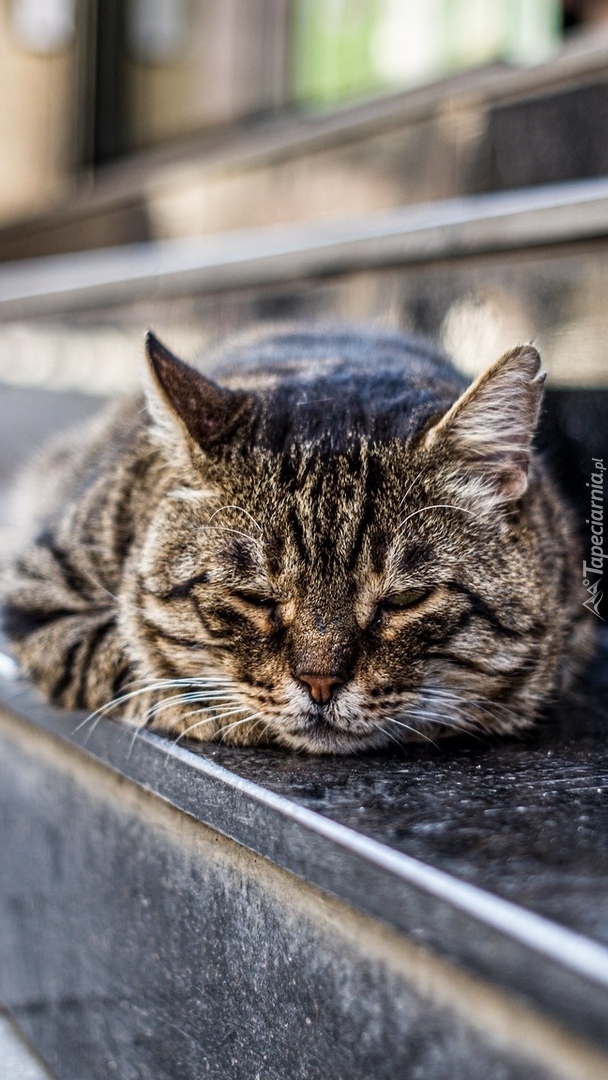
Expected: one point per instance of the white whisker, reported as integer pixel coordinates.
(416, 731)
(414, 481)
(237, 532)
(149, 688)
(464, 727)
(232, 506)
(392, 737)
(448, 696)
(206, 720)
(199, 723)
(237, 723)
(187, 699)
(435, 506)
(167, 703)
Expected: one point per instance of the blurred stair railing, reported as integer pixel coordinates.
(472, 226)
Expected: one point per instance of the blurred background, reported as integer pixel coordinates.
(131, 127)
(89, 82)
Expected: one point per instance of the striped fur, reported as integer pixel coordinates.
(336, 546)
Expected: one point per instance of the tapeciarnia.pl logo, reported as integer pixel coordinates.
(593, 570)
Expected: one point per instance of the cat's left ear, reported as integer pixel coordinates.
(489, 429)
(182, 400)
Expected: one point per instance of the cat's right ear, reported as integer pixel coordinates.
(485, 438)
(184, 403)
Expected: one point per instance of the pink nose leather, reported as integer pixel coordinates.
(321, 687)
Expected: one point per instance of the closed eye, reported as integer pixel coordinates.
(405, 598)
(264, 605)
(256, 599)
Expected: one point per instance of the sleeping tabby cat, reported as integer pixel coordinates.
(334, 547)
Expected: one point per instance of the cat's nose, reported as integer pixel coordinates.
(320, 687)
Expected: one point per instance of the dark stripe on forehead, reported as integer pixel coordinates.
(331, 497)
(366, 519)
(317, 488)
(414, 555)
(297, 533)
(369, 467)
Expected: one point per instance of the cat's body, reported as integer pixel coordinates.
(323, 551)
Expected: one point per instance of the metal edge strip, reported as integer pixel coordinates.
(557, 213)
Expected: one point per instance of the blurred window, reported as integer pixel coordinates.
(343, 48)
(151, 71)
(167, 68)
(157, 30)
(43, 26)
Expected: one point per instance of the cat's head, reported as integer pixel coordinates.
(356, 557)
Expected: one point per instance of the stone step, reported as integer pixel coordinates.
(249, 913)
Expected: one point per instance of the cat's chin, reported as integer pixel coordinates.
(323, 737)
